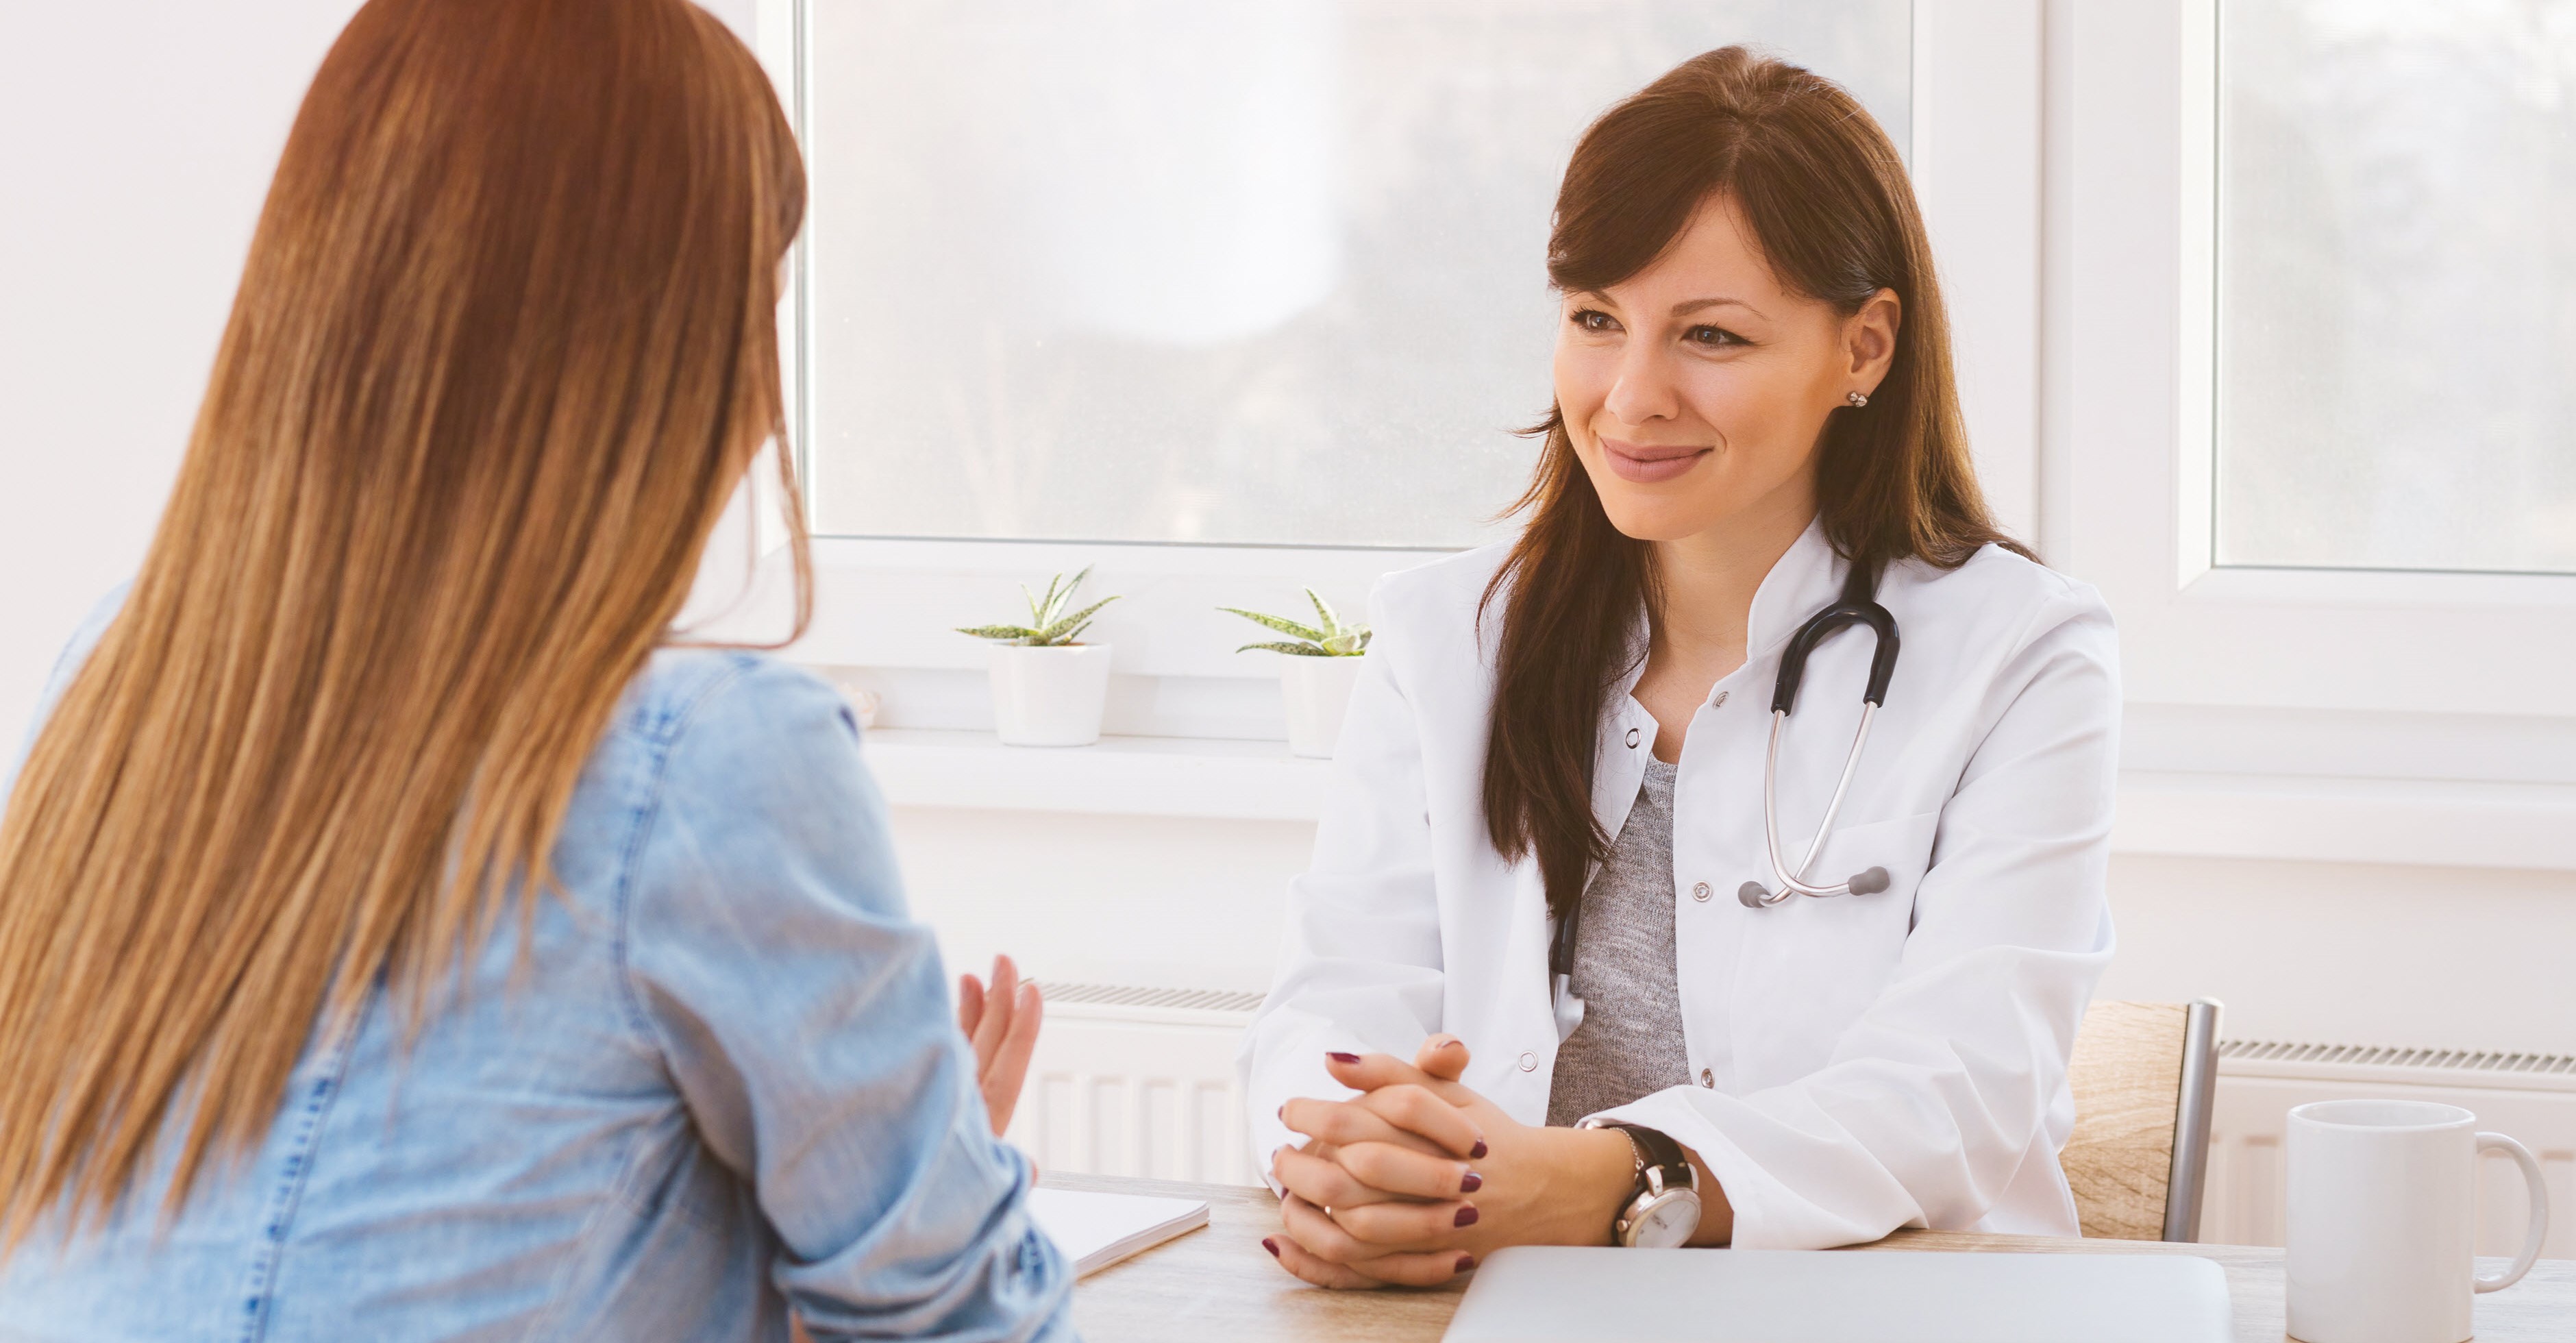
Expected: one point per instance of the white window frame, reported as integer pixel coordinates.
(888, 604)
(2273, 712)
(2141, 421)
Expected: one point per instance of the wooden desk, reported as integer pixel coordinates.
(1218, 1283)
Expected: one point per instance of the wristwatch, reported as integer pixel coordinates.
(1664, 1210)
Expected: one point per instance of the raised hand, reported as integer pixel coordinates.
(1002, 1023)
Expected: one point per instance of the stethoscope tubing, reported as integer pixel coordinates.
(1793, 880)
(1859, 606)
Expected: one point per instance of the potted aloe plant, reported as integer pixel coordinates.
(1321, 665)
(1048, 686)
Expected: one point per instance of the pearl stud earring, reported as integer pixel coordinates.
(1856, 399)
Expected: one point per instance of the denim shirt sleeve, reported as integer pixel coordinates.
(75, 654)
(805, 1020)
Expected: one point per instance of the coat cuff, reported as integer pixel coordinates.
(1297, 1070)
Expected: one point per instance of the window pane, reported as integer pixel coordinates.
(1264, 271)
(2397, 284)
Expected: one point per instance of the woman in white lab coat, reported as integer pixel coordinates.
(1753, 395)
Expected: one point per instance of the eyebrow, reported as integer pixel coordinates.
(1694, 305)
(1682, 309)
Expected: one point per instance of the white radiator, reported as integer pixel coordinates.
(2527, 1096)
(1138, 1081)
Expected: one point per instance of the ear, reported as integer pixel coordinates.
(1869, 339)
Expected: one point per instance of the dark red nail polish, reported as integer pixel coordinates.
(1476, 1151)
(1466, 1262)
(1271, 1245)
(1467, 1216)
(1338, 1056)
(1283, 1110)
(1470, 1182)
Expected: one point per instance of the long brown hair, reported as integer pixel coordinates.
(505, 341)
(1827, 200)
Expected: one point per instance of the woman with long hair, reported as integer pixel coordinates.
(1726, 854)
(398, 938)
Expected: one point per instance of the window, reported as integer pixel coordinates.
(2319, 501)
(1254, 273)
(2396, 285)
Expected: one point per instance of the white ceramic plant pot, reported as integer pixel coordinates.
(1049, 696)
(1319, 696)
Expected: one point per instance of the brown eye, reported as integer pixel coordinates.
(1595, 321)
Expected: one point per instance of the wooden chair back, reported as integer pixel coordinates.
(2144, 1075)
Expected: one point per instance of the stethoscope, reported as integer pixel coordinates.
(1858, 606)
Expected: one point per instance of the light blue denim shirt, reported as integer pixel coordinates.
(728, 1083)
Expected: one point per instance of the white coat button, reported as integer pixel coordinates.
(1699, 891)
(1632, 739)
(1707, 1078)
(1719, 702)
(1529, 1063)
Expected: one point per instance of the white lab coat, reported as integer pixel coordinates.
(1857, 1064)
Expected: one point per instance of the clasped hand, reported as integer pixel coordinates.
(1413, 1179)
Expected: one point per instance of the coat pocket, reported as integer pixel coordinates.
(1813, 964)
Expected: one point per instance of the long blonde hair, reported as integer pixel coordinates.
(505, 342)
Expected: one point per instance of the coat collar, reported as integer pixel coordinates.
(1805, 579)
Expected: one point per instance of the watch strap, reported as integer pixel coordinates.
(1662, 1171)
(1657, 1152)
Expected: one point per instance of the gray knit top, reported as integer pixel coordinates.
(1630, 1042)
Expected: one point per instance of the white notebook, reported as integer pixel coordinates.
(1097, 1230)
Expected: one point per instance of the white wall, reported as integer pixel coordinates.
(2353, 953)
(136, 142)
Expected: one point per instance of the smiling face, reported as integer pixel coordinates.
(1695, 391)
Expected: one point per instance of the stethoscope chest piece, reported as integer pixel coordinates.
(1859, 606)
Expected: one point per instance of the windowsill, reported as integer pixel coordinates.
(2439, 823)
(1121, 776)
(2433, 823)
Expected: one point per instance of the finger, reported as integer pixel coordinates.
(1427, 1269)
(1340, 1123)
(1325, 1238)
(1009, 1068)
(1410, 1270)
(1416, 1110)
(1388, 1169)
(1443, 1057)
(1322, 1239)
(1294, 1258)
(1321, 1180)
(1402, 1225)
(970, 1003)
(997, 1011)
(1368, 1072)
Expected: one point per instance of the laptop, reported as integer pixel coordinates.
(1588, 1294)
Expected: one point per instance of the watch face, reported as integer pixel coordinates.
(1666, 1221)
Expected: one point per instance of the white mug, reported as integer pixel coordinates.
(2382, 1238)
